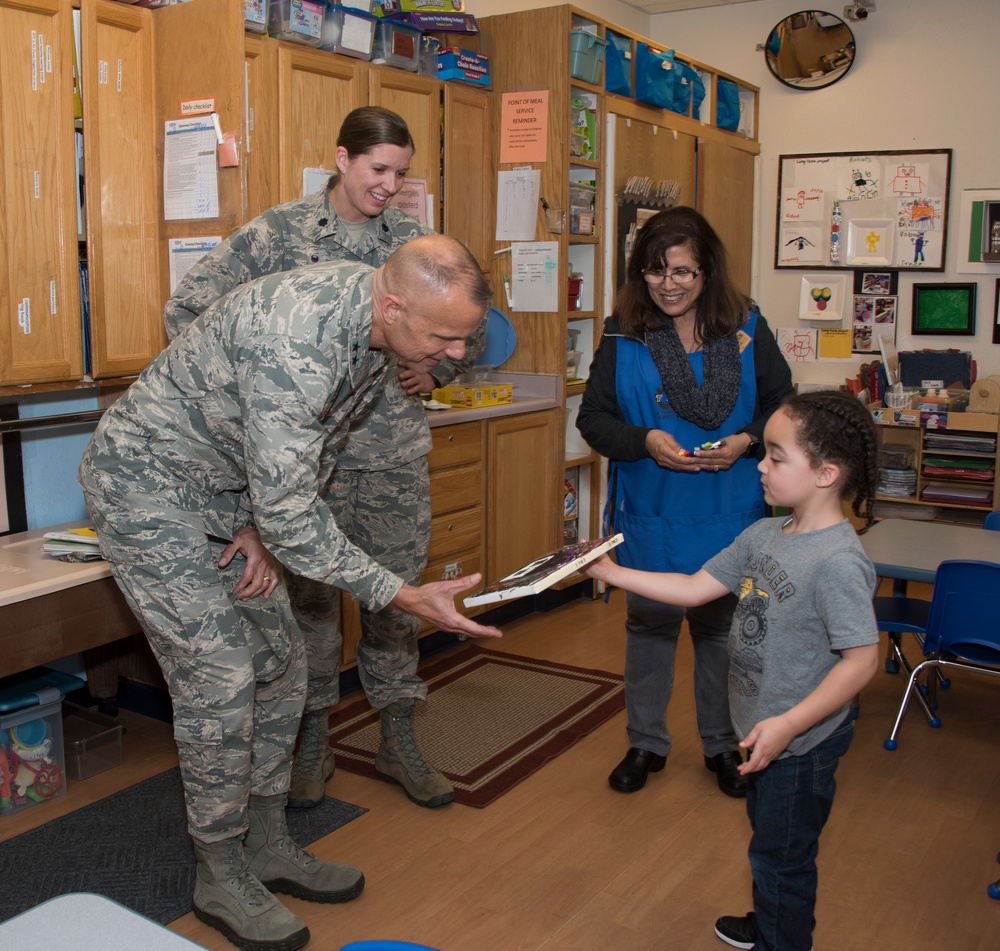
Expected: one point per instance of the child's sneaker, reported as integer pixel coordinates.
(739, 932)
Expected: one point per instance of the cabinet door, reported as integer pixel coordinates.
(418, 100)
(123, 210)
(40, 336)
(524, 489)
(260, 132)
(725, 198)
(644, 149)
(316, 90)
(468, 173)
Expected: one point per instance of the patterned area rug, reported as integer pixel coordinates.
(491, 719)
(132, 847)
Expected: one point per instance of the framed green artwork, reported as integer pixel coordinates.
(944, 309)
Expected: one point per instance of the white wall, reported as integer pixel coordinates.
(925, 77)
(612, 10)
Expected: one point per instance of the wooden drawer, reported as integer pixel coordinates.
(456, 532)
(446, 568)
(455, 445)
(462, 566)
(455, 489)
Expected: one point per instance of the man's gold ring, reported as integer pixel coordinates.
(716, 468)
(268, 577)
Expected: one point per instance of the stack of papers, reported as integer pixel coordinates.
(73, 544)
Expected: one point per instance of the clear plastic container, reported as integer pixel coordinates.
(349, 32)
(397, 44)
(255, 15)
(297, 21)
(93, 741)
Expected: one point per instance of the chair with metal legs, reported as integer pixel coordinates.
(960, 632)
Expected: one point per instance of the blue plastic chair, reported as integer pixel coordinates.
(385, 946)
(960, 633)
(992, 522)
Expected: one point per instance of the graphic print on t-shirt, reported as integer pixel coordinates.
(750, 617)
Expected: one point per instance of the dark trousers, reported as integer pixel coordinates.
(788, 803)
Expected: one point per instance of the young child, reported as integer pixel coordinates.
(803, 643)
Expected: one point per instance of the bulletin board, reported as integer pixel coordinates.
(863, 210)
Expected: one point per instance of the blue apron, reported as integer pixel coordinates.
(676, 521)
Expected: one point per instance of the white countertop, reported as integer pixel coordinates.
(27, 572)
(532, 392)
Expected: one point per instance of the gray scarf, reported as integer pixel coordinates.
(708, 406)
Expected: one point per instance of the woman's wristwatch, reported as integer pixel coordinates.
(751, 451)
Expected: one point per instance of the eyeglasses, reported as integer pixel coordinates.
(679, 275)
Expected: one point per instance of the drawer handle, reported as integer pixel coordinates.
(451, 439)
(451, 528)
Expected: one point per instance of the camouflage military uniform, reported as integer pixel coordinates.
(232, 425)
(380, 492)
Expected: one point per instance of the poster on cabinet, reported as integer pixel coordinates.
(863, 210)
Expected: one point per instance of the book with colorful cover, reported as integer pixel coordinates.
(543, 572)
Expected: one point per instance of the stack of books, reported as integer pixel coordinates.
(898, 483)
(73, 544)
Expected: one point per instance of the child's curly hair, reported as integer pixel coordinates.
(835, 426)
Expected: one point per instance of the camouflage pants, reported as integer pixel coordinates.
(235, 670)
(386, 513)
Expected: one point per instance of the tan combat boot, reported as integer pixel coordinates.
(313, 764)
(399, 761)
(229, 897)
(283, 867)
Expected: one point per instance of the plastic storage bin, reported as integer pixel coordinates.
(349, 32)
(297, 21)
(430, 46)
(397, 44)
(586, 51)
(92, 741)
(255, 15)
(32, 766)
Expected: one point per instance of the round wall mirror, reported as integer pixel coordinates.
(810, 49)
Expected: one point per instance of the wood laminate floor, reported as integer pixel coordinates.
(564, 863)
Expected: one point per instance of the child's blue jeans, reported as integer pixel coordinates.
(788, 804)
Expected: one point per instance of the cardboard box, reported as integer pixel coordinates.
(469, 396)
(464, 66)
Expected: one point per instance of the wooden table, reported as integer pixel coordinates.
(50, 608)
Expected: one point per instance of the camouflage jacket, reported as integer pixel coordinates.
(231, 424)
(308, 231)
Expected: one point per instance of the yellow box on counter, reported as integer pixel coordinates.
(470, 395)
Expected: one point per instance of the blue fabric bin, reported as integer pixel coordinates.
(655, 77)
(618, 65)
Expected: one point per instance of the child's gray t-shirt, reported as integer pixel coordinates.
(802, 598)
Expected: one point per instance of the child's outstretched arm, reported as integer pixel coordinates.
(771, 737)
(683, 590)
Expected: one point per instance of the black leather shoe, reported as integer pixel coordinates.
(630, 774)
(724, 765)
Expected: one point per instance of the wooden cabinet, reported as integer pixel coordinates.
(40, 335)
(524, 489)
(494, 505)
(533, 50)
(122, 206)
(284, 102)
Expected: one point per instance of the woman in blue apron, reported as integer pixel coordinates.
(685, 377)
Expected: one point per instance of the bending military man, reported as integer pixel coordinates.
(227, 437)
